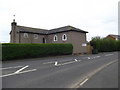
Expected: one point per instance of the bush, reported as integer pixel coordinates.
(105, 45)
(94, 51)
(15, 51)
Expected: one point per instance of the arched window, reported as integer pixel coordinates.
(35, 36)
(25, 35)
(64, 37)
(55, 38)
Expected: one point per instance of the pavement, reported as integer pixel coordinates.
(70, 71)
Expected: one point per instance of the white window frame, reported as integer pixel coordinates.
(25, 35)
(63, 37)
(84, 44)
(35, 36)
(55, 38)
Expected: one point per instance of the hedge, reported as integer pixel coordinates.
(17, 51)
(105, 44)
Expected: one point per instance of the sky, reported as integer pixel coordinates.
(98, 17)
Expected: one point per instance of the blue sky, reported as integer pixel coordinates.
(98, 17)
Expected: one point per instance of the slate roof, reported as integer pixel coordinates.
(51, 31)
(31, 30)
(65, 29)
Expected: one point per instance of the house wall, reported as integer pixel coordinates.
(31, 38)
(75, 38)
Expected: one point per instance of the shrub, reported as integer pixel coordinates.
(15, 51)
(94, 51)
(105, 44)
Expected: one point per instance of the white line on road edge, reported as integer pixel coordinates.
(21, 69)
(18, 73)
(90, 74)
(84, 81)
(10, 67)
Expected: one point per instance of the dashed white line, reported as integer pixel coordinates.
(84, 82)
(48, 62)
(88, 57)
(56, 63)
(21, 69)
(68, 62)
(109, 54)
(76, 60)
(10, 67)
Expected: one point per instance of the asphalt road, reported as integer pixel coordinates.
(87, 71)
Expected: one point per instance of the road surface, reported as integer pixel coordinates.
(78, 71)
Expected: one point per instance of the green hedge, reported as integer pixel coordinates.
(105, 44)
(15, 51)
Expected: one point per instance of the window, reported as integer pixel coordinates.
(35, 36)
(55, 38)
(64, 37)
(25, 35)
(84, 44)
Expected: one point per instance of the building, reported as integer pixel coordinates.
(66, 34)
(114, 37)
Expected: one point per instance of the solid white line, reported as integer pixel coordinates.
(21, 69)
(18, 73)
(84, 82)
(10, 67)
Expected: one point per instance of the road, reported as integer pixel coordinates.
(78, 71)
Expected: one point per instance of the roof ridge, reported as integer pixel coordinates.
(31, 27)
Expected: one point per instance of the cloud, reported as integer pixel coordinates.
(98, 17)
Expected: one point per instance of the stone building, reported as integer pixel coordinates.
(66, 34)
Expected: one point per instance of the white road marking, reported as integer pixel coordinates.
(96, 57)
(109, 54)
(88, 57)
(56, 63)
(48, 62)
(18, 73)
(76, 60)
(21, 69)
(10, 67)
(84, 82)
(83, 79)
(67, 63)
